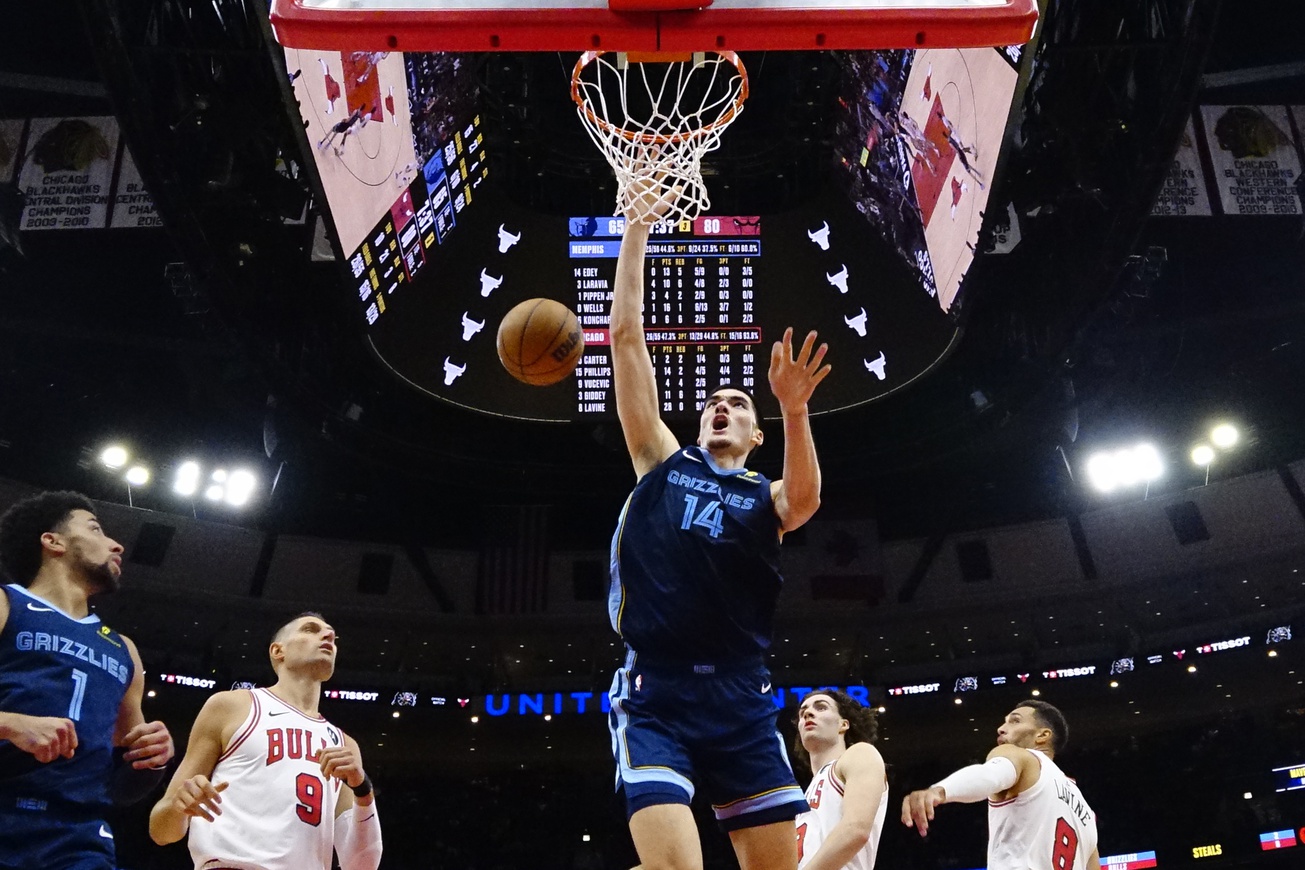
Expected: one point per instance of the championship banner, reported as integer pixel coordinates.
(1255, 160)
(132, 204)
(11, 138)
(68, 173)
(1184, 192)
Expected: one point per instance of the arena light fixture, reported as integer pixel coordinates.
(240, 487)
(213, 493)
(1224, 436)
(186, 481)
(137, 475)
(1109, 470)
(114, 456)
(1202, 455)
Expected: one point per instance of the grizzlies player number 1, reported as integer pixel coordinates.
(79, 692)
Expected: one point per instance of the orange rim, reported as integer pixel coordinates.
(657, 138)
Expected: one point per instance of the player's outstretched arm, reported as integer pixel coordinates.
(792, 381)
(190, 794)
(647, 438)
(861, 768)
(1006, 768)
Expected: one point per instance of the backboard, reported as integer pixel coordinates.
(649, 25)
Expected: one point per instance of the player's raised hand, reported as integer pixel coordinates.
(343, 762)
(794, 379)
(647, 196)
(200, 798)
(44, 737)
(149, 744)
(917, 808)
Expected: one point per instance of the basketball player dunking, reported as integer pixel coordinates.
(848, 794)
(1037, 817)
(694, 585)
(70, 692)
(266, 782)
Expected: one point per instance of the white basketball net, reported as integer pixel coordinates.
(654, 121)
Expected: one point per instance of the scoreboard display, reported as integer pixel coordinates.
(719, 291)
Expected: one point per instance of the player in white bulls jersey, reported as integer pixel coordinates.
(267, 783)
(1037, 817)
(848, 794)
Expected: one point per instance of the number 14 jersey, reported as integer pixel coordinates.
(1048, 827)
(279, 812)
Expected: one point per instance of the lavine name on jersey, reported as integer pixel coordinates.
(41, 641)
(1075, 803)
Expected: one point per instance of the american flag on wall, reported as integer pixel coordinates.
(513, 572)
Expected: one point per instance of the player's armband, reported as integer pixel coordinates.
(358, 838)
(978, 781)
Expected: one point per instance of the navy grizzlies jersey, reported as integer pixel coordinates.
(54, 665)
(695, 562)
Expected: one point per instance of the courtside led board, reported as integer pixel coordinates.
(650, 25)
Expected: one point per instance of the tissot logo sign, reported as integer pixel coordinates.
(1221, 645)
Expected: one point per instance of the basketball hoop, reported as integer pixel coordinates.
(655, 115)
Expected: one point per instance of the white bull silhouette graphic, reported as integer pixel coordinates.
(857, 323)
(506, 239)
(838, 279)
(452, 372)
(470, 327)
(877, 367)
(488, 283)
(820, 236)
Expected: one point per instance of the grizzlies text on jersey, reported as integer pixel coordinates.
(54, 665)
(695, 562)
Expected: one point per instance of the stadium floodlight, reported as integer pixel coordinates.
(137, 475)
(240, 486)
(213, 493)
(1224, 436)
(1203, 455)
(1101, 472)
(114, 456)
(186, 481)
(1112, 469)
(219, 475)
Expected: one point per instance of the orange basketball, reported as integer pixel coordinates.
(540, 342)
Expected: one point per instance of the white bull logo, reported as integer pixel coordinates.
(470, 327)
(506, 239)
(820, 236)
(838, 279)
(488, 283)
(877, 367)
(452, 372)
(857, 323)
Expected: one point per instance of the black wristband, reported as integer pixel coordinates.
(363, 788)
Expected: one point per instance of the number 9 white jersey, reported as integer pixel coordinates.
(1048, 827)
(278, 813)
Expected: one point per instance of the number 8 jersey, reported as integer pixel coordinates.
(278, 813)
(695, 562)
(1047, 827)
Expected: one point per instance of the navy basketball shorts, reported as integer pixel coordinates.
(46, 839)
(674, 726)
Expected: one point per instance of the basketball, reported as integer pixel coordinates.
(540, 342)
